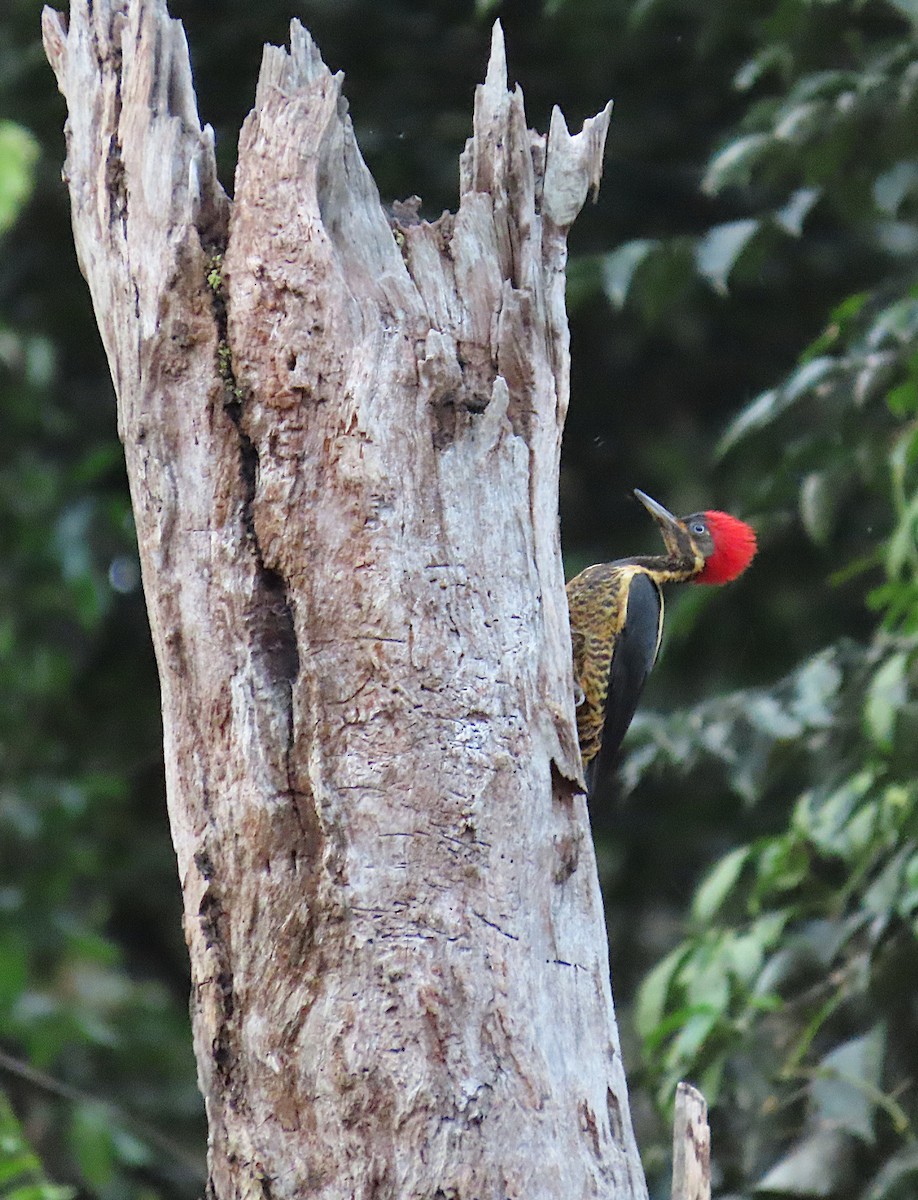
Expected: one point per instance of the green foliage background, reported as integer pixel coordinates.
(744, 305)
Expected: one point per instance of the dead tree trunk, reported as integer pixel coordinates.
(342, 439)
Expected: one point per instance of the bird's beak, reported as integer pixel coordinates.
(672, 529)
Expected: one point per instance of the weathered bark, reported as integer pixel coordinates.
(343, 440)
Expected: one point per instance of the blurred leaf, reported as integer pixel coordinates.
(843, 316)
(885, 697)
(652, 996)
(754, 417)
(828, 821)
(909, 901)
(772, 58)
(768, 407)
(816, 687)
(873, 375)
(20, 1169)
(19, 152)
(901, 548)
(903, 400)
(705, 976)
(718, 884)
(694, 1031)
(898, 1179)
(891, 187)
(734, 164)
(896, 323)
(663, 279)
(744, 953)
(14, 967)
(781, 866)
(896, 238)
(882, 895)
(807, 376)
(720, 249)
(816, 1166)
(766, 712)
(847, 1080)
(800, 122)
(845, 313)
(793, 214)
(806, 953)
(92, 1145)
(620, 266)
(39, 1191)
(819, 496)
(131, 1150)
(825, 84)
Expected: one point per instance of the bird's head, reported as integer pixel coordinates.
(706, 547)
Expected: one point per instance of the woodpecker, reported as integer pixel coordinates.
(616, 612)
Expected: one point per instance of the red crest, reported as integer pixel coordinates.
(734, 548)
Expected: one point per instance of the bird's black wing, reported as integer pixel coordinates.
(634, 655)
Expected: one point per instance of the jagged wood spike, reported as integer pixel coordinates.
(691, 1146)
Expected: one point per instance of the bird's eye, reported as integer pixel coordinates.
(698, 527)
